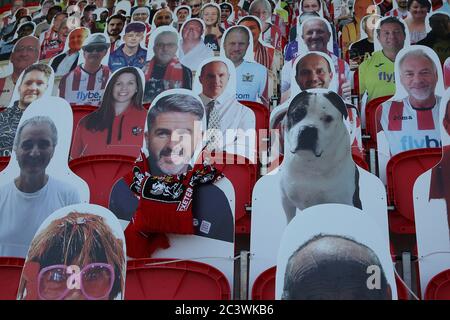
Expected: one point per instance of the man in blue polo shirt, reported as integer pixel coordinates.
(130, 53)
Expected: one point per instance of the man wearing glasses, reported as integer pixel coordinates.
(31, 197)
(86, 83)
(164, 71)
(25, 53)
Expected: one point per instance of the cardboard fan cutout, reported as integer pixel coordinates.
(78, 253)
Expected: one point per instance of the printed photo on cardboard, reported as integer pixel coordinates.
(210, 14)
(163, 69)
(35, 82)
(317, 168)
(117, 126)
(37, 180)
(114, 29)
(182, 14)
(131, 51)
(23, 29)
(54, 39)
(417, 20)
(192, 49)
(24, 54)
(162, 17)
(85, 84)
(334, 252)
(231, 124)
(432, 208)
(78, 253)
(251, 77)
(409, 120)
(67, 61)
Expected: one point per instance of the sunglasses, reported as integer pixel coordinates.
(95, 281)
(96, 49)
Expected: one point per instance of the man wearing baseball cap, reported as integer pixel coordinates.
(85, 84)
(130, 53)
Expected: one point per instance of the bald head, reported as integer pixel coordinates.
(316, 34)
(333, 267)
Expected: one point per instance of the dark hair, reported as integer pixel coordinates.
(38, 67)
(103, 117)
(250, 18)
(241, 29)
(90, 7)
(388, 20)
(423, 3)
(309, 55)
(296, 276)
(175, 103)
(318, 2)
(116, 16)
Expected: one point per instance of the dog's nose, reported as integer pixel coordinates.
(307, 138)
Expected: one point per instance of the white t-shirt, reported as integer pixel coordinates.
(22, 213)
(251, 81)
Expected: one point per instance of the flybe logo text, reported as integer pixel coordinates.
(89, 95)
(386, 76)
(408, 143)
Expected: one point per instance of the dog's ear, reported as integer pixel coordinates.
(337, 102)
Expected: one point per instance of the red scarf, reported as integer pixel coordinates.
(165, 205)
(174, 71)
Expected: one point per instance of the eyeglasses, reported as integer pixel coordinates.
(96, 49)
(29, 49)
(160, 45)
(196, 6)
(95, 281)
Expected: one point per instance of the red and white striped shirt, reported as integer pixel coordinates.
(397, 13)
(407, 128)
(80, 87)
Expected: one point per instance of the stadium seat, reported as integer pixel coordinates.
(402, 171)
(243, 176)
(4, 162)
(101, 172)
(10, 273)
(439, 287)
(79, 112)
(161, 279)
(371, 121)
(264, 286)
(262, 116)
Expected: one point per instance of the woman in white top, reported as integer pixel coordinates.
(418, 10)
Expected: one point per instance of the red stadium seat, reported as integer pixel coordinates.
(10, 273)
(264, 286)
(4, 162)
(402, 171)
(358, 158)
(371, 120)
(262, 118)
(181, 280)
(79, 112)
(243, 176)
(100, 173)
(439, 287)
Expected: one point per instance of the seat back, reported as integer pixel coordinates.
(439, 287)
(4, 162)
(101, 172)
(167, 279)
(371, 119)
(402, 170)
(10, 272)
(264, 285)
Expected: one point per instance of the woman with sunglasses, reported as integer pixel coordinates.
(210, 14)
(76, 257)
(117, 127)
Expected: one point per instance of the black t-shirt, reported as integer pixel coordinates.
(361, 48)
